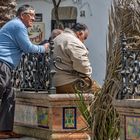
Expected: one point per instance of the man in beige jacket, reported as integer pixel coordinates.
(73, 57)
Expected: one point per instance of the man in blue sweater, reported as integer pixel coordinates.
(14, 40)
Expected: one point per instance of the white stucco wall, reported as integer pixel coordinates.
(96, 18)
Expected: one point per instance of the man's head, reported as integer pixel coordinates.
(81, 30)
(55, 33)
(27, 14)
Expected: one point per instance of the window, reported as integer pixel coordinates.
(67, 17)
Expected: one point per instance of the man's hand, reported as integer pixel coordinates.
(46, 45)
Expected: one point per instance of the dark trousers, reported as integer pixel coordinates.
(7, 106)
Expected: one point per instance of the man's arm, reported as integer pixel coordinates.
(26, 45)
(79, 58)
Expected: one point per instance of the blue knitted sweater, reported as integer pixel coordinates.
(14, 40)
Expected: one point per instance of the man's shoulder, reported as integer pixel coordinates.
(13, 25)
(16, 23)
(66, 36)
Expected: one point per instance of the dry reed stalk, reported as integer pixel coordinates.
(124, 17)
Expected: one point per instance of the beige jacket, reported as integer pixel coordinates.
(74, 56)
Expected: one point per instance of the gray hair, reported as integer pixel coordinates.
(24, 9)
(55, 33)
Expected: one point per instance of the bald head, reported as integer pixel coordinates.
(55, 33)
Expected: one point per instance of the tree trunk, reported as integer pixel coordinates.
(56, 6)
(7, 10)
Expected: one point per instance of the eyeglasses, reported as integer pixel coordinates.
(30, 14)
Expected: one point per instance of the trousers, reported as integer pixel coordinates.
(7, 96)
(69, 88)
